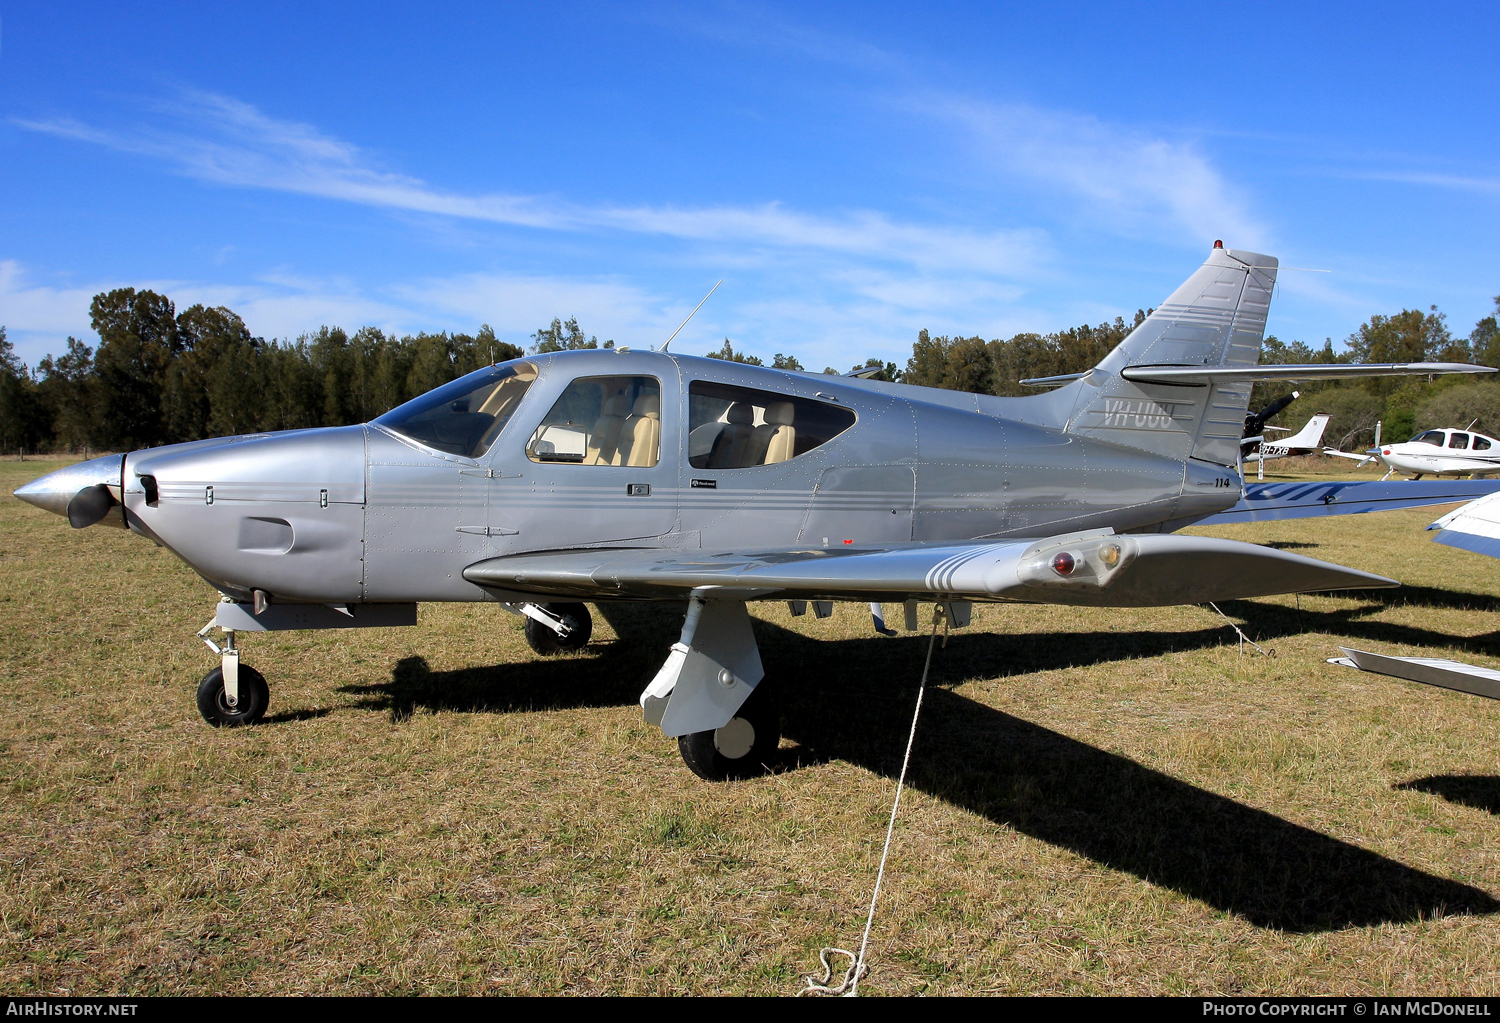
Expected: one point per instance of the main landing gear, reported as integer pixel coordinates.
(556, 628)
(743, 748)
(709, 694)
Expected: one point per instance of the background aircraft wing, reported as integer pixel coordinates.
(1263, 502)
(1474, 527)
(1093, 569)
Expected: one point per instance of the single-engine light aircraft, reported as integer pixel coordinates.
(1432, 453)
(1306, 441)
(619, 475)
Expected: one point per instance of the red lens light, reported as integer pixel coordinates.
(1063, 563)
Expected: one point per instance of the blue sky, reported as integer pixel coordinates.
(854, 172)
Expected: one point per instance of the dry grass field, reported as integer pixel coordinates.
(1104, 802)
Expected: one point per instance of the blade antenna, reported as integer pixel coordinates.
(684, 323)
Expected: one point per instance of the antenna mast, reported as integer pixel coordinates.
(684, 323)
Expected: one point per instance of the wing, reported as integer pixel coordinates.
(1093, 569)
(1474, 527)
(1264, 502)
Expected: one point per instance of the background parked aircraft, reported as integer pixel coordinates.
(1305, 441)
(1446, 452)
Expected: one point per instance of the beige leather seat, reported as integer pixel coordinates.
(640, 436)
(732, 446)
(604, 438)
(775, 440)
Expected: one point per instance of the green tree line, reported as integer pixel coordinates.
(159, 376)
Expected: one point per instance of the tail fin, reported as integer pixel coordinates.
(1216, 318)
(1310, 436)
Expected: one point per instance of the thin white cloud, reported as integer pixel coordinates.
(517, 305)
(226, 141)
(1135, 182)
(1458, 182)
(30, 307)
(38, 317)
(1132, 180)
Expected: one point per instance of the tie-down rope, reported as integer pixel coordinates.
(849, 986)
(1241, 632)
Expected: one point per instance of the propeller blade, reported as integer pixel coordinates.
(89, 506)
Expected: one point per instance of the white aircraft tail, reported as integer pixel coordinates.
(1217, 318)
(1310, 436)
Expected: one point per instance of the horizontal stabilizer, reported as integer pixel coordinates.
(1092, 569)
(1203, 375)
(1432, 671)
(1265, 502)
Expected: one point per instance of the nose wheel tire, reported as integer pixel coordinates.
(254, 697)
(546, 642)
(743, 748)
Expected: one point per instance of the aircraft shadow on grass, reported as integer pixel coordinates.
(1268, 622)
(1042, 783)
(1480, 791)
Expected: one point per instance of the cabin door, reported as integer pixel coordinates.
(596, 464)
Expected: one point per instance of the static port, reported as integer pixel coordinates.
(1063, 563)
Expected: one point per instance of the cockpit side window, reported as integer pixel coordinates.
(602, 421)
(738, 427)
(1433, 437)
(464, 416)
(1458, 440)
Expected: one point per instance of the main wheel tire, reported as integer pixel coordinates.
(546, 642)
(743, 748)
(254, 697)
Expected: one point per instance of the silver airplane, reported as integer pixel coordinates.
(620, 475)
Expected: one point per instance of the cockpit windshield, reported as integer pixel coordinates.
(1434, 437)
(465, 416)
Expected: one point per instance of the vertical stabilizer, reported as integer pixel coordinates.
(1216, 318)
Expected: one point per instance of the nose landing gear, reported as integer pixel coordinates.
(233, 694)
(249, 704)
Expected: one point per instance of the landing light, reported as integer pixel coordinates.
(1062, 563)
(1109, 555)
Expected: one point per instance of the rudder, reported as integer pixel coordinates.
(1216, 318)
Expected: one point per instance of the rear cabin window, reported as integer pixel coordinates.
(738, 427)
(1434, 437)
(602, 421)
(465, 416)
(1458, 440)
(1481, 443)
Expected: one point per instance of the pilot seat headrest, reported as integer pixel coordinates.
(616, 405)
(648, 404)
(780, 413)
(741, 412)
